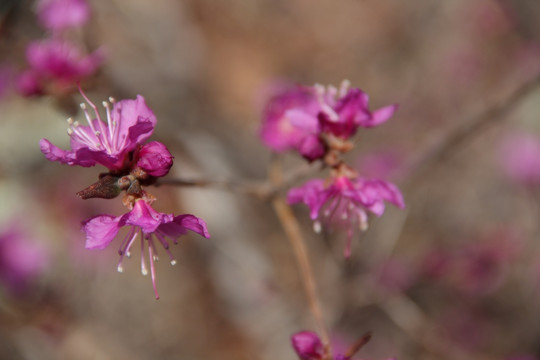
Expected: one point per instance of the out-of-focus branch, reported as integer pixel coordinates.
(263, 189)
(294, 235)
(420, 166)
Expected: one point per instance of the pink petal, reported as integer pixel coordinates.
(380, 116)
(136, 121)
(100, 231)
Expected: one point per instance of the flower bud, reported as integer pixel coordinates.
(155, 159)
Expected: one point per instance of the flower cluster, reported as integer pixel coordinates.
(55, 63)
(318, 122)
(119, 144)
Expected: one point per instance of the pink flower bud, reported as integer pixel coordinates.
(155, 159)
(307, 345)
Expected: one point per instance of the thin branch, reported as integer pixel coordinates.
(294, 235)
(467, 131)
(262, 189)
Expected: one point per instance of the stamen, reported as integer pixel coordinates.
(109, 123)
(103, 140)
(144, 270)
(155, 257)
(317, 227)
(125, 250)
(165, 245)
(152, 271)
(344, 87)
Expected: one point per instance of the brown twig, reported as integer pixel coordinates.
(420, 166)
(294, 235)
(263, 189)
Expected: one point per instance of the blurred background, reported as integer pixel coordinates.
(456, 275)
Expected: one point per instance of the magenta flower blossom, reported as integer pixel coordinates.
(519, 156)
(155, 159)
(300, 117)
(56, 63)
(144, 222)
(345, 201)
(308, 345)
(345, 110)
(62, 14)
(21, 259)
(290, 122)
(129, 124)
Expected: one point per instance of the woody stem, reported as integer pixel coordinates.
(294, 235)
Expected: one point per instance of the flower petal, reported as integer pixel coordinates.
(380, 116)
(136, 122)
(100, 231)
(145, 217)
(182, 223)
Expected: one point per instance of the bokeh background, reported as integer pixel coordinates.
(456, 275)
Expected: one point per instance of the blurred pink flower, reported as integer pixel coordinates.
(345, 201)
(394, 275)
(343, 111)
(290, 122)
(308, 346)
(519, 156)
(55, 65)
(298, 117)
(62, 14)
(129, 124)
(477, 268)
(149, 225)
(21, 258)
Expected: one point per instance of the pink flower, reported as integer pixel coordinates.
(129, 124)
(151, 226)
(519, 156)
(56, 63)
(481, 268)
(62, 14)
(290, 122)
(394, 275)
(345, 201)
(21, 259)
(155, 159)
(298, 118)
(345, 110)
(308, 345)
